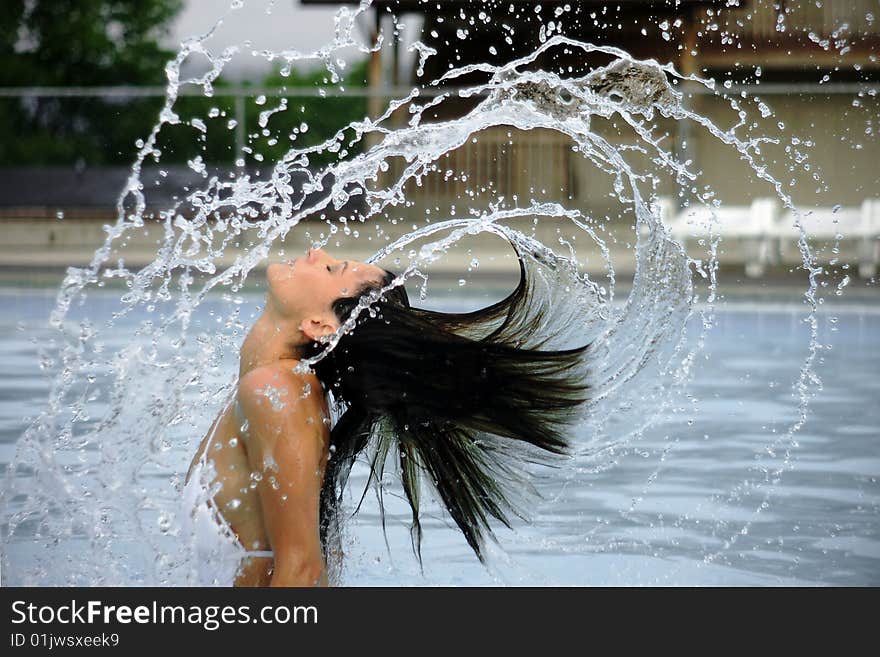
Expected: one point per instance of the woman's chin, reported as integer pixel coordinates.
(278, 270)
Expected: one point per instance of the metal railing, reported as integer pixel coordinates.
(242, 93)
(764, 89)
(499, 162)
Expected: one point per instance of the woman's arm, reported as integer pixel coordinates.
(286, 446)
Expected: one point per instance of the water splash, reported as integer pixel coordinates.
(92, 476)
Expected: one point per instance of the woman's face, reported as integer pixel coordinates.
(303, 289)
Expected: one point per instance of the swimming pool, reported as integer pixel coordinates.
(664, 514)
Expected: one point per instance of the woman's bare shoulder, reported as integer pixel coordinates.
(280, 385)
(276, 401)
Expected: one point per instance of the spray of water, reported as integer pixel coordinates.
(96, 477)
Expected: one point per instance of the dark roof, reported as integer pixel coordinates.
(422, 5)
(431, 7)
(94, 191)
(89, 187)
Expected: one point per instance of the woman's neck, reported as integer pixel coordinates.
(270, 339)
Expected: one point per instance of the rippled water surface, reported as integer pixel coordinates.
(683, 505)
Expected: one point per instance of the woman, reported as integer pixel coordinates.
(465, 398)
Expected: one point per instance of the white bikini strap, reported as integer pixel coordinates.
(260, 553)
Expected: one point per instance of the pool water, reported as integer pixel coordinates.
(681, 506)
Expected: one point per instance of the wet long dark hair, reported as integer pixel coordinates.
(456, 395)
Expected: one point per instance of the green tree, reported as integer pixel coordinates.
(87, 42)
(322, 116)
(116, 42)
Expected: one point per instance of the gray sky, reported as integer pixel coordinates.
(268, 24)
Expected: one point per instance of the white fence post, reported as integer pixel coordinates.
(760, 251)
(869, 244)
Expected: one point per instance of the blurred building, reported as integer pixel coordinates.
(806, 73)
